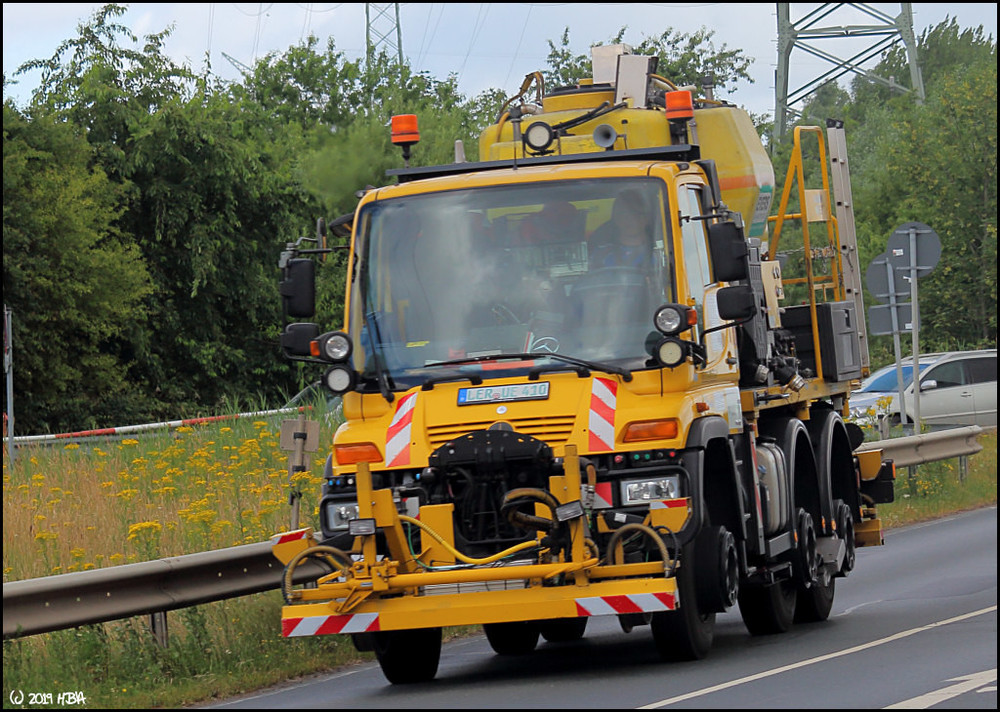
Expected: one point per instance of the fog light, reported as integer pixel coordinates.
(671, 352)
(340, 379)
(539, 136)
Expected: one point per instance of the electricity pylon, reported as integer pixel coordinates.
(885, 32)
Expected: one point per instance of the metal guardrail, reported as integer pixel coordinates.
(69, 600)
(929, 447)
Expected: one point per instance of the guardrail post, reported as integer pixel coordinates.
(158, 626)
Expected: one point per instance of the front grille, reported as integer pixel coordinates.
(553, 430)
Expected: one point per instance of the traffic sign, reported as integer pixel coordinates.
(880, 318)
(878, 277)
(914, 246)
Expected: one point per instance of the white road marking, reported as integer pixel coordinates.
(812, 661)
(967, 683)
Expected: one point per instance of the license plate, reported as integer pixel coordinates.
(502, 394)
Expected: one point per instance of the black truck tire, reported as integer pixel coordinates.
(515, 638)
(408, 656)
(814, 604)
(562, 630)
(768, 609)
(686, 633)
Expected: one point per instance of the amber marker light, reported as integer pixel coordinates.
(651, 430)
(356, 452)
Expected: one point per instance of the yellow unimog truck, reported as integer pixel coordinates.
(589, 375)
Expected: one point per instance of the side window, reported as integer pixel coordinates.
(947, 375)
(693, 237)
(983, 370)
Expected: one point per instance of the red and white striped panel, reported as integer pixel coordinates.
(327, 625)
(616, 605)
(668, 503)
(603, 401)
(286, 537)
(603, 496)
(397, 437)
(369, 622)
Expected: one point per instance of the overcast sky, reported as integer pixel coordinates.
(486, 45)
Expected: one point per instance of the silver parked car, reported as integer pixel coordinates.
(956, 388)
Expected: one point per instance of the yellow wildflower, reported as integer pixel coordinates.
(137, 530)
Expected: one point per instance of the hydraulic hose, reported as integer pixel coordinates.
(333, 556)
(468, 559)
(650, 533)
(529, 521)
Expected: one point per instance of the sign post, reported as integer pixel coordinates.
(913, 251)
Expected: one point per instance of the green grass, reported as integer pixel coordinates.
(60, 504)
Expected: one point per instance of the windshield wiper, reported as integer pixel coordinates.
(380, 375)
(591, 365)
(581, 371)
(472, 378)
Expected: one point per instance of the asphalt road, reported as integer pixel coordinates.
(914, 626)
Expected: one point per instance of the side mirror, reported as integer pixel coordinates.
(298, 289)
(729, 252)
(296, 339)
(928, 385)
(736, 303)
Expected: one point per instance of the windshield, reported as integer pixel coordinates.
(460, 278)
(885, 380)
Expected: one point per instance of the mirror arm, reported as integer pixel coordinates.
(703, 350)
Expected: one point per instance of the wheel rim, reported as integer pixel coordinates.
(845, 527)
(807, 550)
(730, 572)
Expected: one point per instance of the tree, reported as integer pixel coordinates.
(94, 81)
(74, 282)
(210, 195)
(304, 85)
(940, 169)
(936, 164)
(217, 200)
(939, 50)
(682, 58)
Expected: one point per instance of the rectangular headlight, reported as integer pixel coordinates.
(650, 489)
(338, 514)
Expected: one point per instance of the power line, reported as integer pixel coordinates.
(517, 49)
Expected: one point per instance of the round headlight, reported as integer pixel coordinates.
(339, 379)
(671, 352)
(337, 346)
(669, 319)
(539, 136)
